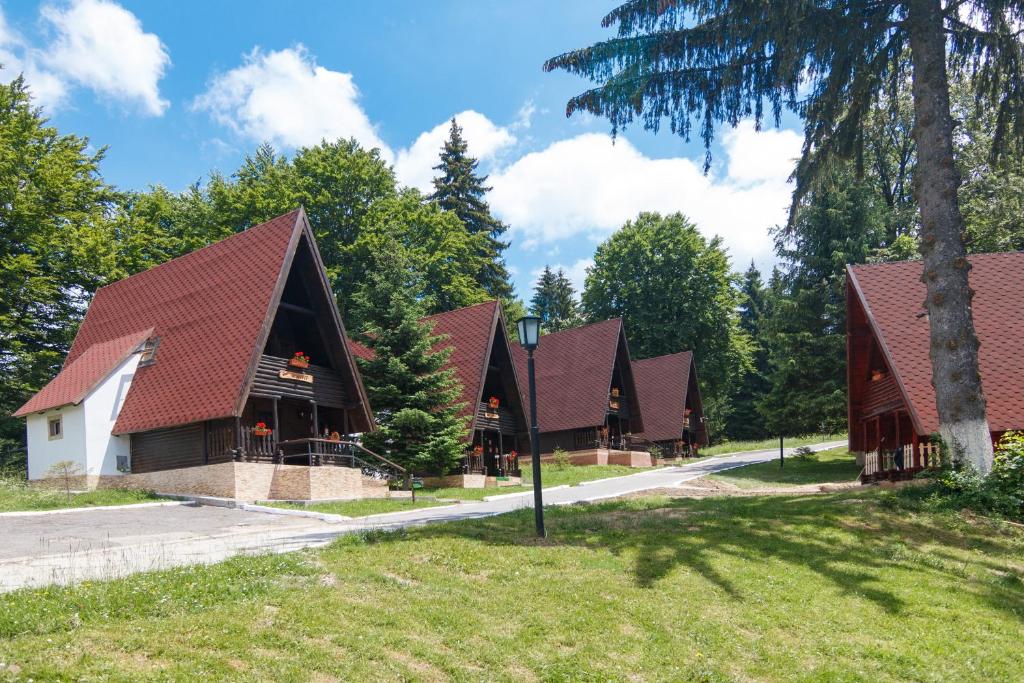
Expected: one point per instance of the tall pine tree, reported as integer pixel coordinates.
(830, 62)
(462, 191)
(805, 335)
(554, 301)
(746, 422)
(414, 397)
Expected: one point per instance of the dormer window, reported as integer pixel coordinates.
(149, 348)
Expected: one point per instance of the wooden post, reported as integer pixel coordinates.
(277, 433)
(238, 436)
(896, 418)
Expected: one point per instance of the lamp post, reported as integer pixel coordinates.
(529, 337)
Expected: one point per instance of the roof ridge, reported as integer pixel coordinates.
(177, 259)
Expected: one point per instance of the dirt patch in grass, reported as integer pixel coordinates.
(709, 488)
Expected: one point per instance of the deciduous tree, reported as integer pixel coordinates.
(55, 246)
(673, 290)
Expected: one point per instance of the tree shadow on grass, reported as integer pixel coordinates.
(847, 542)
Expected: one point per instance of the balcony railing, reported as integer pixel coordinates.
(900, 463)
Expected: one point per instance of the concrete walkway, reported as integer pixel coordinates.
(102, 544)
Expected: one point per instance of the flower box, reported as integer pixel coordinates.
(299, 360)
(262, 430)
(493, 403)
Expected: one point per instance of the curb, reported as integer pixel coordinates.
(287, 512)
(503, 496)
(64, 511)
(405, 512)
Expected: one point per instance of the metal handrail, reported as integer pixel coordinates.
(333, 442)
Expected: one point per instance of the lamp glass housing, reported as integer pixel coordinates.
(529, 331)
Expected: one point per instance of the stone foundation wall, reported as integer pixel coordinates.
(255, 481)
(597, 456)
(456, 481)
(630, 458)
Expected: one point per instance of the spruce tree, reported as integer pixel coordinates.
(414, 397)
(461, 190)
(805, 335)
(746, 422)
(830, 62)
(554, 301)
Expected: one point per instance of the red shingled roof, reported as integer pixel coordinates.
(574, 373)
(210, 310)
(81, 376)
(892, 295)
(360, 350)
(661, 385)
(471, 331)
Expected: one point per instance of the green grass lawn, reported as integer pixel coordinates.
(550, 475)
(836, 465)
(16, 495)
(836, 587)
(361, 508)
(790, 442)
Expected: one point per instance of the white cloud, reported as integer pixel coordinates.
(287, 98)
(587, 186)
(760, 156)
(525, 115)
(96, 44)
(101, 45)
(17, 58)
(415, 166)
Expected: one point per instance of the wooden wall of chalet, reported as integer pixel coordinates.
(165, 449)
(326, 388)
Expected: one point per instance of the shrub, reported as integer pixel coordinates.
(805, 454)
(656, 452)
(1000, 493)
(560, 458)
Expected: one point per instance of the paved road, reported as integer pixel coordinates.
(98, 544)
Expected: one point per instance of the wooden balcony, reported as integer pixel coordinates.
(496, 419)
(276, 379)
(618, 405)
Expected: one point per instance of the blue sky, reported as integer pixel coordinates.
(175, 89)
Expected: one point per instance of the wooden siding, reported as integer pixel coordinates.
(221, 437)
(326, 389)
(166, 449)
(881, 396)
(624, 411)
(506, 422)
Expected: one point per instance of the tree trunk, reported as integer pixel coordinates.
(954, 344)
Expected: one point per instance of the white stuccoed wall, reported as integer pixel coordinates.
(87, 439)
(101, 409)
(43, 453)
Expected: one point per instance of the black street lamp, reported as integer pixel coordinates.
(529, 337)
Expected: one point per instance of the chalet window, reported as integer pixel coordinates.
(149, 351)
(55, 428)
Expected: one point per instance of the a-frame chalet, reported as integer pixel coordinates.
(234, 354)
